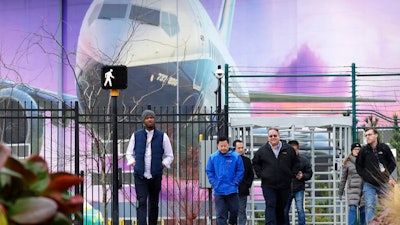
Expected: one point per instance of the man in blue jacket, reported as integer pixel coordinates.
(225, 172)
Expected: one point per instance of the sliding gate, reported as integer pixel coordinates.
(324, 140)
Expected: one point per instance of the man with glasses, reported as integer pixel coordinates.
(375, 163)
(276, 163)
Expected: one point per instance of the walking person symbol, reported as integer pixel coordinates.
(108, 77)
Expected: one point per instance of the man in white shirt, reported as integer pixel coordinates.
(149, 151)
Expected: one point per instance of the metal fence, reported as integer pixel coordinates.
(356, 91)
(81, 143)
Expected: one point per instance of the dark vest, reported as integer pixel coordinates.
(157, 152)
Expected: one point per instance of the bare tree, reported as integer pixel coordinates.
(91, 97)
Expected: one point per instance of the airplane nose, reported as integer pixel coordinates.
(107, 41)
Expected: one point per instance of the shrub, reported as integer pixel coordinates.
(30, 194)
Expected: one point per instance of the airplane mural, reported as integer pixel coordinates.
(287, 51)
(182, 54)
(184, 49)
(174, 47)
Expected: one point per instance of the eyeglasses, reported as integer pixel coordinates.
(273, 136)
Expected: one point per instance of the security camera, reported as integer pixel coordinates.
(219, 73)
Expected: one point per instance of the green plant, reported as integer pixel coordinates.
(30, 194)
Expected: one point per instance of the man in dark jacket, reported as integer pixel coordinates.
(149, 152)
(299, 185)
(375, 164)
(276, 163)
(246, 182)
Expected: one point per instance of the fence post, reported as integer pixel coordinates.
(226, 87)
(353, 101)
(226, 106)
(79, 187)
(76, 136)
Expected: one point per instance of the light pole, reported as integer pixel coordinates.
(219, 74)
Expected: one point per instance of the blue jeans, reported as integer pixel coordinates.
(225, 204)
(299, 200)
(275, 202)
(147, 190)
(353, 215)
(370, 192)
(242, 210)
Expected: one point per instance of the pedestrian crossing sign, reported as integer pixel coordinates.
(114, 77)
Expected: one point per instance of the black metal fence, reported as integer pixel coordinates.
(81, 143)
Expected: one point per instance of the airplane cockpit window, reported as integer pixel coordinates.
(145, 15)
(109, 11)
(169, 23)
(94, 14)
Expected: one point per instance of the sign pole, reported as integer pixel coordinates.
(114, 78)
(115, 184)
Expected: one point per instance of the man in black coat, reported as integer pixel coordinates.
(246, 183)
(276, 163)
(375, 163)
(299, 185)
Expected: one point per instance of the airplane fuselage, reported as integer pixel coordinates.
(169, 50)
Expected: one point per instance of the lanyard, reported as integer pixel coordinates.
(381, 167)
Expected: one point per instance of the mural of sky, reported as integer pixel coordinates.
(277, 37)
